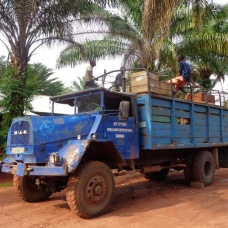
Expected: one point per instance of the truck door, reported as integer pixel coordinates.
(124, 135)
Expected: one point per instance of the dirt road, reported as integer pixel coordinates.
(137, 203)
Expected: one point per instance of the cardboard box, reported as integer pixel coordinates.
(165, 89)
(140, 82)
(201, 97)
(183, 120)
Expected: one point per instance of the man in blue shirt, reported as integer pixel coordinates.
(184, 74)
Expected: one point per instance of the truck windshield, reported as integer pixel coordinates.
(88, 103)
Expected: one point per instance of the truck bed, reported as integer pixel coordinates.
(169, 123)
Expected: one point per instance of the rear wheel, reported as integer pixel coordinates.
(28, 190)
(157, 176)
(90, 192)
(204, 167)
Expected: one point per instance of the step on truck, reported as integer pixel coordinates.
(108, 133)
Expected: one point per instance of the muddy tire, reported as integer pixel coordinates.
(27, 189)
(91, 190)
(204, 167)
(157, 176)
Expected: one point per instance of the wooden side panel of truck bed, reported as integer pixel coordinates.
(166, 123)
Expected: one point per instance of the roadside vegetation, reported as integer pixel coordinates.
(6, 184)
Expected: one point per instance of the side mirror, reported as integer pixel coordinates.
(124, 110)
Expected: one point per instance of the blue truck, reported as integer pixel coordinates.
(107, 134)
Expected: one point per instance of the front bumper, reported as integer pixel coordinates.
(22, 169)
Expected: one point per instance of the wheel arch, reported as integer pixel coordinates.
(105, 152)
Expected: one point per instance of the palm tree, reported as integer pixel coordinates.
(77, 86)
(46, 84)
(28, 24)
(208, 48)
(137, 34)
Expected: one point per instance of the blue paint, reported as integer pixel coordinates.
(156, 123)
(20, 169)
(207, 125)
(47, 171)
(47, 134)
(32, 139)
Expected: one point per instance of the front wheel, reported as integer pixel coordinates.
(204, 167)
(90, 192)
(28, 190)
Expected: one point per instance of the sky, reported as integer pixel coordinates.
(48, 56)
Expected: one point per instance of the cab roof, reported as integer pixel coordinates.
(69, 97)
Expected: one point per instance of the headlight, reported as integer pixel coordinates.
(94, 136)
(54, 158)
(78, 137)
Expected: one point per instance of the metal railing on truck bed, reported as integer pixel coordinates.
(142, 81)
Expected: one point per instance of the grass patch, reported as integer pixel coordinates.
(6, 184)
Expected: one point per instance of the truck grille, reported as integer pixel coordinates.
(20, 133)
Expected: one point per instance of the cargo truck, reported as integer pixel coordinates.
(110, 132)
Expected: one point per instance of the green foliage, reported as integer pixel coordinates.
(6, 184)
(207, 48)
(26, 25)
(46, 85)
(9, 86)
(139, 32)
(38, 82)
(2, 66)
(77, 85)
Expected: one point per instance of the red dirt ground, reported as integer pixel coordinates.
(137, 203)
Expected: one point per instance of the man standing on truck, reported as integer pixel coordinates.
(89, 78)
(118, 80)
(184, 74)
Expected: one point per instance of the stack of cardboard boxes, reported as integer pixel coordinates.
(140, 83)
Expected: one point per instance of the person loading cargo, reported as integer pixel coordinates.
(184, 75)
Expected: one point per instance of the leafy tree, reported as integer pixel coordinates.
(206, 48)
(137, 34)
(78, 85)
(2, 66)
(28, 24)
(199, 32)
(8, 86)
(45, 85)
(38, 75)
(38, 82)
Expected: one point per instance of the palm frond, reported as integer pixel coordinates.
(207, 43)
(72, 55)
